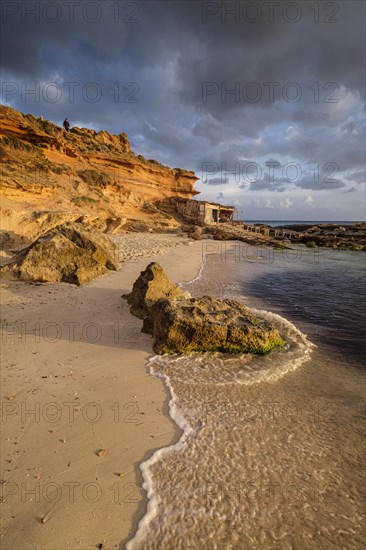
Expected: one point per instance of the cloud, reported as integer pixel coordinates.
(309, 200)
(324, 183)
(182, 71)
(262, 203)
(285, 203)
(292, 133)
(357, 176)
(218, 181)
(268, 185)
(209, 129)
(273, 163)
(350, 190)
(354, 128)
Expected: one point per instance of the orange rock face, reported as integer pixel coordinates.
(50, 176)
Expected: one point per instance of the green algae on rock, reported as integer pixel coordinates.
(206, 324)
(181, 324)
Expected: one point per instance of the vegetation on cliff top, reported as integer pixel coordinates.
(82, 172)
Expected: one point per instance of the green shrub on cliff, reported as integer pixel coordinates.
(82, 199)
(100, 179)
(15, 143)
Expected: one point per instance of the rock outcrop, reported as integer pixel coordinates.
(237, 233)
(71, 253)
(81, 173)
(335, 236)
(207, 324)
(151, 285)
(181, 324)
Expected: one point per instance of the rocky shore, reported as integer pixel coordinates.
(336, 236)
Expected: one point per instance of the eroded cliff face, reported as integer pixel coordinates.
(50, 176)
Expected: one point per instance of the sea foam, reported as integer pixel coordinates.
(215, 369)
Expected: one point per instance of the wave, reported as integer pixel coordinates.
(145, 467)
(207, 369)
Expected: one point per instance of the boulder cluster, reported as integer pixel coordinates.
(76, 253)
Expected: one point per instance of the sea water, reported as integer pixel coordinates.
(271, 452)
(276, 223)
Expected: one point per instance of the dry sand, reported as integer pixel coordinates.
(74, 384)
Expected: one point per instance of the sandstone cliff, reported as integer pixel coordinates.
(49, 176)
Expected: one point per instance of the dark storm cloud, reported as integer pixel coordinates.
(358, 176)
(267, 185)
(218, 181)
(205, 86)
(269, 181)
(166, 135)
(210, 129)
(324, 184)
(76, 28)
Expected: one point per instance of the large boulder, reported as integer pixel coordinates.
(151, 285)
(207, 324)
(71, 253)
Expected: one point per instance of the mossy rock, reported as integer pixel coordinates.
(208, 325)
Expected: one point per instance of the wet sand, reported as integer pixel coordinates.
(275, 462)
(74, 385)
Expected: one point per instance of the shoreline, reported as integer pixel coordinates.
(119, 373)
(183, 427)
(54, 482)
(285, 429)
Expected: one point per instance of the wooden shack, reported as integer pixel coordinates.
(204, 212)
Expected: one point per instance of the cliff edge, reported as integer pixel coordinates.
(50, 176)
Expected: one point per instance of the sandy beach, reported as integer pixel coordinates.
(182, 276)
(79, 410)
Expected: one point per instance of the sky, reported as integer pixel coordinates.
(264, 100)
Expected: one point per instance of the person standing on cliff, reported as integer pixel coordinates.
(66, 125)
